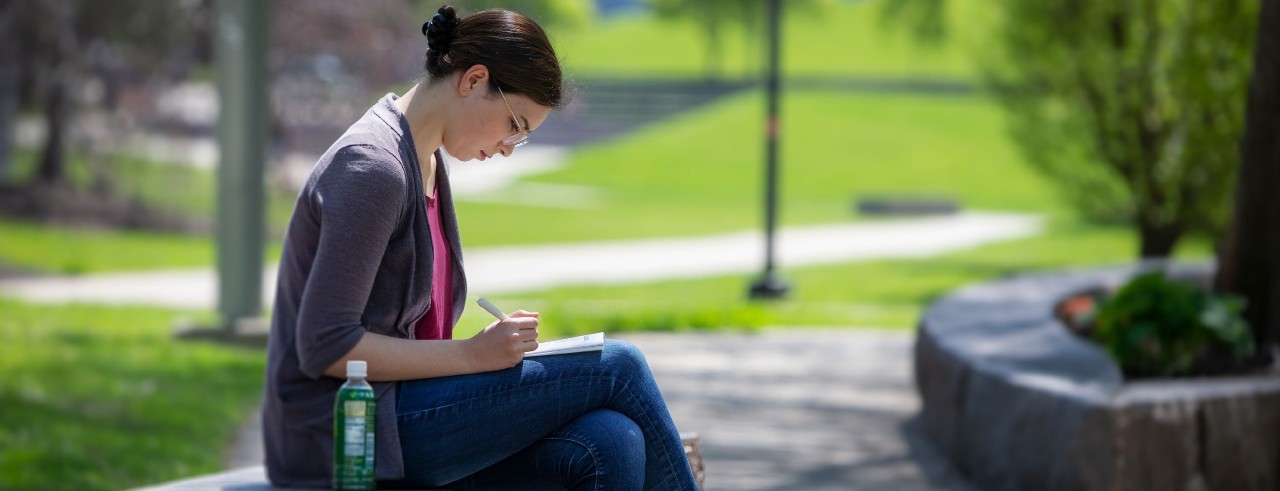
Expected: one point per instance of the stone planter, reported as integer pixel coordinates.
(1016, 401)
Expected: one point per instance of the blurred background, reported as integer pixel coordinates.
(892, 112)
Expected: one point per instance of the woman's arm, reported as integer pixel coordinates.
(500, 345)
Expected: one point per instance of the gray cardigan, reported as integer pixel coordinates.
(357, 257)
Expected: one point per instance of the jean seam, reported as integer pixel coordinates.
(594, 458)
(670, 475)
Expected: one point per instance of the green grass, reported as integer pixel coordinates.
(703, 172)
(885, 293)
(179, 189)
(105, 398)
(844, 39)
(698, 173)
(67, 250)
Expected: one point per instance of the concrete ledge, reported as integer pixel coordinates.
(254, 478)
(244, 479)
(1015, 401)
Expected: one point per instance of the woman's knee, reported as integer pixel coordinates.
(616, 443)
(611, 433)
(625, 357)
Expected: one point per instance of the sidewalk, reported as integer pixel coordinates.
(799, 409)
(498, 270)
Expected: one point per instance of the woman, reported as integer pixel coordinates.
(371, 270)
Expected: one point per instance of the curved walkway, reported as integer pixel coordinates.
(525, 268)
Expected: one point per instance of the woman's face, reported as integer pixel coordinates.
(483, 120)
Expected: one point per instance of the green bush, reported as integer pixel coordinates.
(1154, 326)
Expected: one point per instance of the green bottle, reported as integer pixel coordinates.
(353, 423)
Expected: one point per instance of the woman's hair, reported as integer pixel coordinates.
(514, 48)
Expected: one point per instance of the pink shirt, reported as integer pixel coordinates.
(438, 321)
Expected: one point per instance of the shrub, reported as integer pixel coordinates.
(1154, 326)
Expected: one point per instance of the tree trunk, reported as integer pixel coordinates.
(53, 157)
(715, 53)
(1250, 257)
(58, 49)
(1157, 241)
(10, 37)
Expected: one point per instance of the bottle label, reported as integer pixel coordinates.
(354, 429)
(354, 442)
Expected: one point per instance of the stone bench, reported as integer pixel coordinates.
(255, 478)
(1016, 401)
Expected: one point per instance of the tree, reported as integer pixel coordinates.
(1249, 261)
(1126, 105)
(56, 49)
(47, 41)
(546, 12)
(1248, 264)
(714, 17)
(10, 82)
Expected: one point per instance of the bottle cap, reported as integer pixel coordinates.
(357, 368)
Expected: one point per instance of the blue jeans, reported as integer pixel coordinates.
(590, 420)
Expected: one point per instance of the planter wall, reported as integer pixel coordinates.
(1016, 401)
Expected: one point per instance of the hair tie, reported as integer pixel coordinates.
(439, 30)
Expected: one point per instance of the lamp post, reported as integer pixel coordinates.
(241, 36)
(769, 286)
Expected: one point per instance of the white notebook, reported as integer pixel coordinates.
(576, 344)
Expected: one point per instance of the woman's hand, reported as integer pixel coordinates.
(504, 343)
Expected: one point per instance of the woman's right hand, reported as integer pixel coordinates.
(504, 343)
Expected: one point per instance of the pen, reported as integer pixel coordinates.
(491, 308)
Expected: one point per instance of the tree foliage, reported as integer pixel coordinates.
(715, 18)
(1134, 107)
(546, 12)
(56, 46)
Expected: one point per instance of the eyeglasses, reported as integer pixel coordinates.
(522, 135)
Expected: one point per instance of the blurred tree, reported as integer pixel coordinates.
(1134, 107)
(1122, 103)
(1249, 264)
(712, 17)
(569, 13)
(10, 67)
(52, 40)
(715, 17)
(54, 47)
(1205, 70)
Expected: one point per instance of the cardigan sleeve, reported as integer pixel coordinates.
(357, 201)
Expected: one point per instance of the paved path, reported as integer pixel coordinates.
(512, 269)
(780, 410)
(799, 409)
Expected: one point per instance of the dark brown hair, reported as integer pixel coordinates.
(514, 48)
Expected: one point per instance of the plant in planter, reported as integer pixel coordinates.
(1155, 326)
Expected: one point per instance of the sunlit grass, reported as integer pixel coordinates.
(106, 398)
(703, 172)
(886, 293)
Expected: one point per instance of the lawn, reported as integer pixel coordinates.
(695, 174)
(841, 39)
(106, 398)
(886, 293)
(174, 188)
(703, 172)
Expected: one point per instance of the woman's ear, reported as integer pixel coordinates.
(471, 79)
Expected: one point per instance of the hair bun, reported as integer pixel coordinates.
(439, 30)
